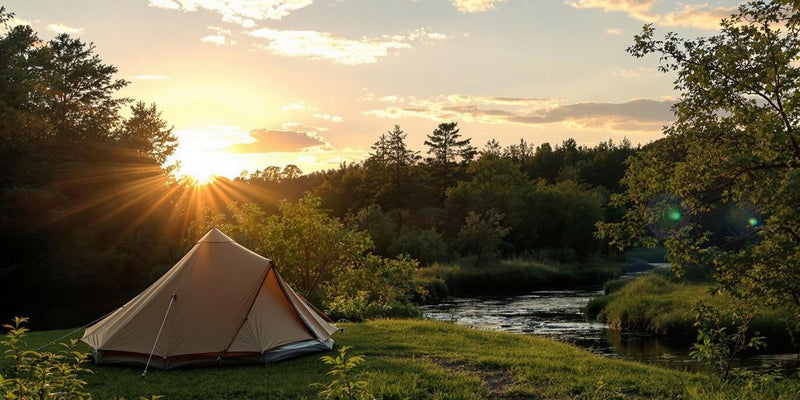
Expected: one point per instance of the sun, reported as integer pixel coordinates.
(195, 172)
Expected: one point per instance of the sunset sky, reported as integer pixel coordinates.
(248, 84)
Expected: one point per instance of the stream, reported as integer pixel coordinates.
(559, 315)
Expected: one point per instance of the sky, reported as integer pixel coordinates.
(249, 84)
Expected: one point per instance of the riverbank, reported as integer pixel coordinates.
(513, 277)
(656, 304)
(425, 359)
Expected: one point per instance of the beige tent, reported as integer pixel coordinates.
(221, 304)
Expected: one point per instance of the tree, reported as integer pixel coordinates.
(146, 135)
(389, 170)
(481, 236)
(447, 151)
(734, 148)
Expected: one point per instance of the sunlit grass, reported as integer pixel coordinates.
(424, 359)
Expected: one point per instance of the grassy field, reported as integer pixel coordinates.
(434, 360)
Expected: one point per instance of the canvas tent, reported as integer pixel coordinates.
(221, 304)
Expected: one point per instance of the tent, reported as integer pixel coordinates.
(221, 304)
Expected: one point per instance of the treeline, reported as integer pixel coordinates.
(456, 202)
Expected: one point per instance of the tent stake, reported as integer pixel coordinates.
(171, 300)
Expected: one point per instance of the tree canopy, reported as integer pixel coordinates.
(722, 189)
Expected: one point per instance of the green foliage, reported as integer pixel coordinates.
(322, 258)
(376, 287)
(514, 277)
(343, 384)
(450, 154)
(615, 285)
(732, 155)
(481, 236)
(722, 334)
(41, 375)
(426, 246)
(658, 304)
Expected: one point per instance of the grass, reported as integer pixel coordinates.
(514, 276)
(418, 359)
(657, 305)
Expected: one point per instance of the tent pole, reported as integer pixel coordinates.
(171, 300)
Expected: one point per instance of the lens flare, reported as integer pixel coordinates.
(666, 215)
(742, 220)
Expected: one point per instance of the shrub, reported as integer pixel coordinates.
(614, 285)
(426, 246)
(38, 374)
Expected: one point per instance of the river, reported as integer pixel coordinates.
(560, 315)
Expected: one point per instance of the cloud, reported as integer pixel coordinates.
(298, 105)
(697, 16)
(614, 31)
(215, 39)
(474, 6)
(321, 45)
(242, 12)
(278, 141)
(148, 77)
(700, 16)
(61, 28)
(625, 73)
(329, 117)
(639, 115)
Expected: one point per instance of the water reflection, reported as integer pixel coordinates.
(560, 315)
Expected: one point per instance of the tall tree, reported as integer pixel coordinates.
(734, 149)
(389, 167)
(447, 150)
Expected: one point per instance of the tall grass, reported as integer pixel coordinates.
(658, 305)
(515, 276)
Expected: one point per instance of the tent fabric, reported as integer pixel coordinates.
(221, 304)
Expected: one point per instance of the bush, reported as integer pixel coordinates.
(38, 374)
(614, 285)
(426, 246)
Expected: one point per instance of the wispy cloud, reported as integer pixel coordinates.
(701, 16)
(640, 115)
(279, 141)
(329, 117)
(61, 28)
(149, 77)
(697, 16)
(321, 45)
(473, 6)
(614, 31)
(298, 105)
(242, 12)
(221, 36)
(215, 39)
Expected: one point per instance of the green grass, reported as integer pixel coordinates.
(514, 276)
(435, 360)
(657, 305)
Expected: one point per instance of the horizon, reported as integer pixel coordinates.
(247, 85)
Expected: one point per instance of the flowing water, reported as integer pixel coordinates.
(560, 315)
